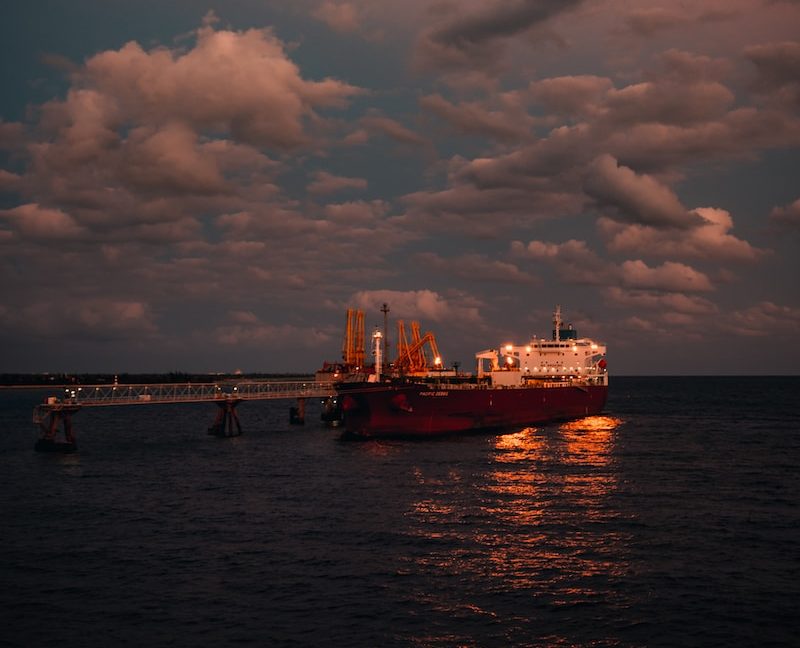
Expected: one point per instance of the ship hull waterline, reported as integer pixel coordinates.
(420, 411)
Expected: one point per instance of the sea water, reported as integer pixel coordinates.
(670, 520)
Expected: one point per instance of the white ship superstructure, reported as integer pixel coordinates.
(563, 358)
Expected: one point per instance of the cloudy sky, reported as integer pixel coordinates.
(208, 187)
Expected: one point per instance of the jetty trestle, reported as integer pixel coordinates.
(54, 416)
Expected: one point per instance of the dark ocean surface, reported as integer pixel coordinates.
(672, 520)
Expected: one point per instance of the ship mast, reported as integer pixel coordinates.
(385, 311)
(557, 323)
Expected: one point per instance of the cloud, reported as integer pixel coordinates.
(342, 17)
(181, 230)
(394, 129)
(788, 215)
(635, 198)
(9, 181)
(571, 95)
(740, 133)
(668, 302)
(267, 222)
(327, 183)
(12, 135)
(356, 214)
(668, 277)
(679, 66)
(245, 329)
(170, 159)
(574, 164)
(42, 223)
(650, 21)
(510, 123)
(497, 20)
(88, 318)
(664, 102)
(483, 212)
(647, 22)
(684, 90)
(576, 263)
(416, 304)
(573, 259)
(358, 137)
(710, 238)
(474, 267)
(663, 315)
(606, 153)
(778, 70)
(248, 85)
(145, 138)
(371, 21)
(217, 170)
(471, 37)
(765, 319)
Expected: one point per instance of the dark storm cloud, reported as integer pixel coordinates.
(778, 70)
(468, 38)
(637, 198)
(498, 19)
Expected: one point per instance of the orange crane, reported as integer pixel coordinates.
(353, 352)
(411, 357)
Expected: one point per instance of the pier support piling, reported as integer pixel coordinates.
(297, 415)
(227, 422)
(49, 421)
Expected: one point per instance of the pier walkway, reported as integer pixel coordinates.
(57, 410)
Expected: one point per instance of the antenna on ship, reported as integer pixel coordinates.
(385, 311)
(557, 323)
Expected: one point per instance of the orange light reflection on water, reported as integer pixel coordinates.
(589, 440)
(537, 519)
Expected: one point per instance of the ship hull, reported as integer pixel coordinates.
(414, 410)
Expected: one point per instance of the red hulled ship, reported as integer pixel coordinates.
(514, 385)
